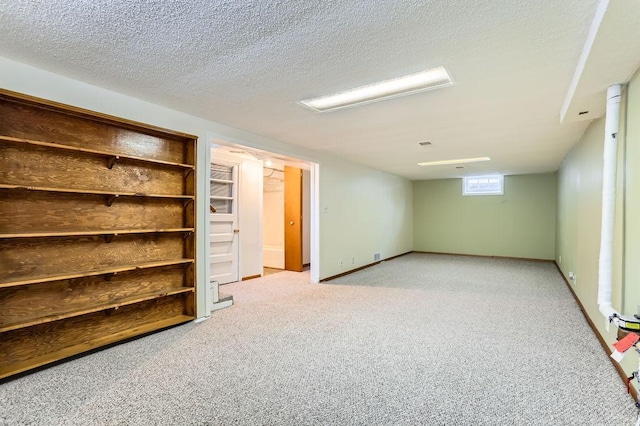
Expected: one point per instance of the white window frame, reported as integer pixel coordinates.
(467, 181)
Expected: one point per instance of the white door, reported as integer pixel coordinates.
(224, 223)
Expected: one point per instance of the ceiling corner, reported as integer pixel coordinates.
(611, 54)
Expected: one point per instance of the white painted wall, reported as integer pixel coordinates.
(369, 211)
(306, 217)
(273, 222)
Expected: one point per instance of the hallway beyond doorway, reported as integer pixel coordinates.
(271, 271)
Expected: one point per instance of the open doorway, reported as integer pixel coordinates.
(286, 218)
(260, 195)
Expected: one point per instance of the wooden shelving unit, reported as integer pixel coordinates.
(97, 230)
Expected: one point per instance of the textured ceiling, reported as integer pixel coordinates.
(611, 55)
(246, 64)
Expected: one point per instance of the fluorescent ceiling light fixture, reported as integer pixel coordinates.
(430, 79)
(458, 161)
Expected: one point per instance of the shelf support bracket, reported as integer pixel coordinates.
(109, 237)
(187, 173)
(187, 202)
(108, 276)
(187, 235)
(111, 199)
(110, 311)
(111, 161)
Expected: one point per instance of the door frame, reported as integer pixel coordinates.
(213, 138)
(314, 210)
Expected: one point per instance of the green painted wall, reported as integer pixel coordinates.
(520, 223)
(579, 218)
(580, 213)
(632, 199)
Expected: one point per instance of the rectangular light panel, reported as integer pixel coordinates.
(433, 78)
(458, 161)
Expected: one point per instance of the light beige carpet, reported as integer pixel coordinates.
(422, 339)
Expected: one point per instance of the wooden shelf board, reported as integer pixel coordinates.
(98, 308)
(103, 271)
(105, 154)
(91, 344)
(88, 233)
(94, 192)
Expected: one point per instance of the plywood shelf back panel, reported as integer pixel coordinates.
(93, 272)
(87, 345)
(105, 233)
(84, 255)
(25, 343)
(111, 157)
(22, 304)
(57, 169)
(80, 213)
(93, 192)
(25, 117)
(95, 308)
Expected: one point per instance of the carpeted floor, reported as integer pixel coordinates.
(422, 339)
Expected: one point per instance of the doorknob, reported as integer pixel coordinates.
(236, 231)
(291, 223)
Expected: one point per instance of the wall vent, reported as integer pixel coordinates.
(376, 256)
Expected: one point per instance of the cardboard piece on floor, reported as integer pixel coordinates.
(622, 346)
(625, 343)
(617, 355)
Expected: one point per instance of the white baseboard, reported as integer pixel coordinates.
(221, 305)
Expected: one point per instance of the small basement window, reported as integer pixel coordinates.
(483, 185)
